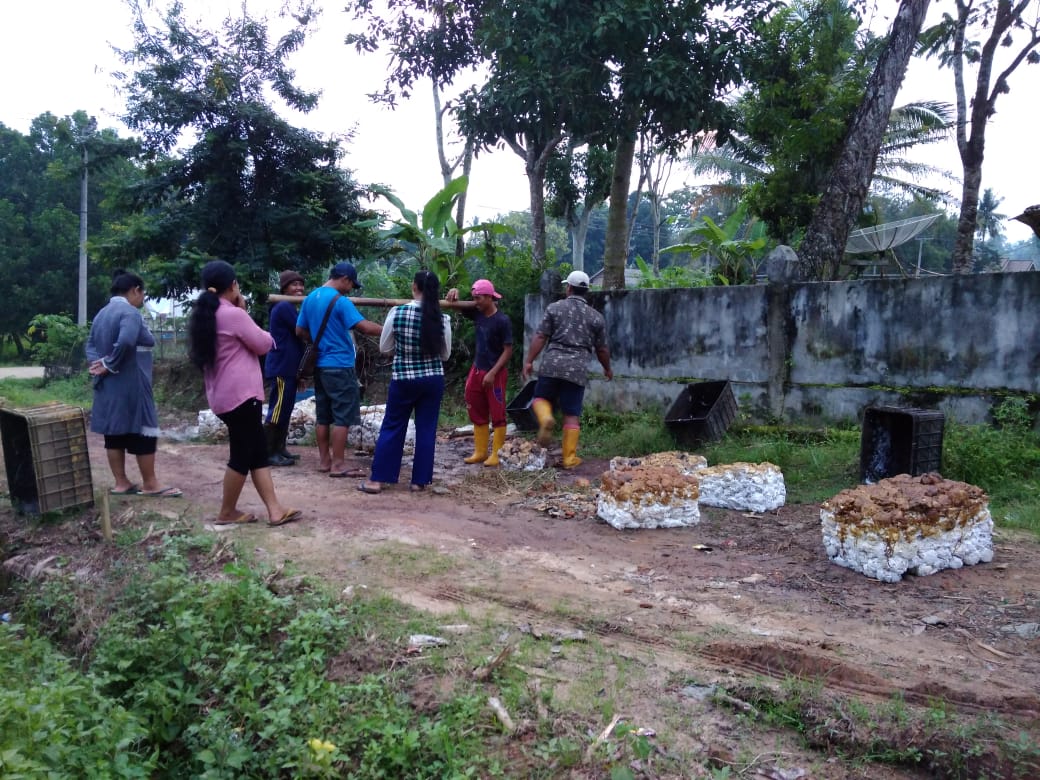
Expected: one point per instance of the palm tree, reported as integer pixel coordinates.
(741, 162)
(987, 219)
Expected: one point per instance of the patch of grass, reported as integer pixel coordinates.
(401, 560)
(1005, 462)
(605, 434)
(21, 393)
(920, 738)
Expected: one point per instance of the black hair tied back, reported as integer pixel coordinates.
(431, 332)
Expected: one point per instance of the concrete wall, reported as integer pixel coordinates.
(824, 350)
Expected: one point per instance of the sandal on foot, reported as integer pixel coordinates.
(133, 490)
(365, 487)
(288, 517)
(242, 519)
(170, 492)
(349, 473)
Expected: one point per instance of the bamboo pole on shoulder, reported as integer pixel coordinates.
(385, 303)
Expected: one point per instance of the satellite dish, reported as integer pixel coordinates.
(880, 238)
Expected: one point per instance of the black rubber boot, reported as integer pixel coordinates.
(283, 448)
(274, 457)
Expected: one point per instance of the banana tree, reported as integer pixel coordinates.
(432, 238)
(735, 259)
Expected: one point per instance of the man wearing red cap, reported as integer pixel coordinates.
(486, 383)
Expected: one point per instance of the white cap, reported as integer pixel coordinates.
(577, 279)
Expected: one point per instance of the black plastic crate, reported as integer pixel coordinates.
(519, 409)
(46, 456)
(900, 441)
(702, 412)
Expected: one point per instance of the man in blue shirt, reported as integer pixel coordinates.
(337, 394)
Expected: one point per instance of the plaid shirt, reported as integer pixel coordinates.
(401, 333)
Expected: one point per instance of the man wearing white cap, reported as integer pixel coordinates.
(486, 382)
(574, 332)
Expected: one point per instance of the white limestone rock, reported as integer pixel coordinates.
(746, 487)
(916, 525)
(648, 497)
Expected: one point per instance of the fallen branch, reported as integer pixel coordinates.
(501, 714)
(484, 672)
(994, 650)
(603, 736)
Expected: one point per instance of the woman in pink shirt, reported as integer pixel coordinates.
(226, 344)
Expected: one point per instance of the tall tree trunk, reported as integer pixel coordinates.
(460, 204)
(999, 20)
(536, 160)
(824, 245)
(616, 250)
(448, 167)
(579, 231)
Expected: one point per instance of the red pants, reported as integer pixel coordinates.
(486, 405)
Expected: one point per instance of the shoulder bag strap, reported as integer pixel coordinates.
(325, 319)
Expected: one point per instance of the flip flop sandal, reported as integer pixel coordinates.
(170, 492)
(242, 519)
(133, 490)
(288, 517)
(366, 488)
(348, 473)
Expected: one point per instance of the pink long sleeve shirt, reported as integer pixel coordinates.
(234, 377)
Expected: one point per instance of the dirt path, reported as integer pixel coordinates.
(764, 591)
(739, 596)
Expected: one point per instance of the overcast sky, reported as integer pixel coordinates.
(56, 56)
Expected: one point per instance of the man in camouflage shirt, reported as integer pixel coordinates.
(574, 332)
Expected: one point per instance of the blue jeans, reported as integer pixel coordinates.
(404, 396)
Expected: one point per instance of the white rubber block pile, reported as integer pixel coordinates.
(364, 436)
(648, 497)
(917, 525)
(302, 421)
(522, 455)
(746, 487)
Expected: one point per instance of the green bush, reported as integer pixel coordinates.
(57, 722)
(57, 340)
(226, 679)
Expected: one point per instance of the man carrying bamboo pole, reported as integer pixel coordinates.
(337, 393)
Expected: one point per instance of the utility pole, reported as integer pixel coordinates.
(81, 318)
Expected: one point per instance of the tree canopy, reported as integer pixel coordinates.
(39, 214)
(224, 175)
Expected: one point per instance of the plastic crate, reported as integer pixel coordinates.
(46, 456)
(519, 409)
(900, 441)
(702, 412)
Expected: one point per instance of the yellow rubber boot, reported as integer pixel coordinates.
(480, 442)
(570, 448)
(497, 440)
(543, 411)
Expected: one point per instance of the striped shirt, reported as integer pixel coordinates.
(402, 337)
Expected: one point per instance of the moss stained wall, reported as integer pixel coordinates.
(825, 349)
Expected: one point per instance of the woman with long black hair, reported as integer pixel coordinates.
(225, 343)
(419, 335)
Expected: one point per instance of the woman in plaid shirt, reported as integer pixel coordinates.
(419, 335)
